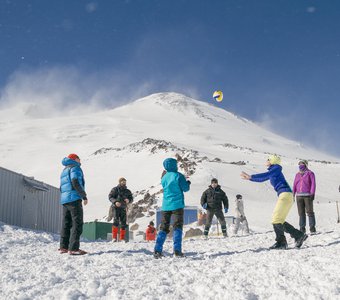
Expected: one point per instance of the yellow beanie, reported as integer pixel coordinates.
(274, 159)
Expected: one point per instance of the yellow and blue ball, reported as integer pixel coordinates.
(218, 96)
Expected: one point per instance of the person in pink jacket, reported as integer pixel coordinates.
(304, 190)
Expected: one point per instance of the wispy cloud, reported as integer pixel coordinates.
(67, 90)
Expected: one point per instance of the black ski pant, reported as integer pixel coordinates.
(119, 217)
(178, 215)
(72, 225)
(305, 205)
(219, 215)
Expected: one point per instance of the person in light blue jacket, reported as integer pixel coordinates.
(72, 188)
(174, 185)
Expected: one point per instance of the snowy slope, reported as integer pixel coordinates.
(232, 268)
(132, 141)
(112, 144)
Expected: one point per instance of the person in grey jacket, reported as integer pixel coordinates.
(212, 200)
(240, 216)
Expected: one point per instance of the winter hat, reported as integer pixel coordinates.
(304, 162)
(274, 159)
(121, 179)
(152, 223)
(73, 156)
(238, 196)
(214, 180)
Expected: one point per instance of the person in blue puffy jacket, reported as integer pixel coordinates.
(72, 188)
(174, 185)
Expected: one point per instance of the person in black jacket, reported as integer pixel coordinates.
(120, 196)
(212, 200)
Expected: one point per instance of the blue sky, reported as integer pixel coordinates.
(277, 62)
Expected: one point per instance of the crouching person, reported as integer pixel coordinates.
(174, 185)
(212, 200)
(240, 216)
(150, 233)
(120, 196)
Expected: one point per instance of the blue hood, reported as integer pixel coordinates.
(170, 165)
(69, 162)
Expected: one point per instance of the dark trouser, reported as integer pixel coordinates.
(119, 215)
(219, 215)
(305, 205)
(280, 229)
(165, 229)
(178, 219)
(72, 226)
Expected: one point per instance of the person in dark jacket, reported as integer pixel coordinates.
(174, 185)
(73, 195)
(212, 200)
(120, 196)
(283, 204)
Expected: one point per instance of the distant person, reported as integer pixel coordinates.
(304, 190)
(120, 196)
(73, 196)
(174, 185)
(283, 204)
(150, 233)
(212, 200)
(202, 218)
(240, 215)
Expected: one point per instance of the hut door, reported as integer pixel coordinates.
(29, 211)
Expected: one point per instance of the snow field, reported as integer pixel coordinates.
(231, 268)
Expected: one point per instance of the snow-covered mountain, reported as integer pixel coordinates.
(133, 140)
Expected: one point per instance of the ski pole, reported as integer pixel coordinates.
(337, 209)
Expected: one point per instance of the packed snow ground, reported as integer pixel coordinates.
(232, 268)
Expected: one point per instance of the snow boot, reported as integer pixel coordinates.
(122, 234)
(299, 241)
(158, 255)
(161, 236)
(224, 230)
(177, 239)
(294, 233)
(303, 229)
(281, 242)
(279, 246)
(77, 252)
(179, 254)
(312, 230)
(114, 233)
(62, 250)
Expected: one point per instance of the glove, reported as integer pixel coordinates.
(188, 181)
(205, 205)
(225, 210)
(312, 197)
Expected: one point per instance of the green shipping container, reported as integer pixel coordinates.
(99, 230)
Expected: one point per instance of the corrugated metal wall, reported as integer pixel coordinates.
(26, 206)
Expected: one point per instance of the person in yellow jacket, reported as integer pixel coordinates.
(283, 204)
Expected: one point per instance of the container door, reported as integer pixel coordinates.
(29, 211)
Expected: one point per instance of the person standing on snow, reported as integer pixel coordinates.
(73, 196)
(240, 216)
(283, 204)
(212, 200)
(304, 190)
(174, 185)
(120, 196)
